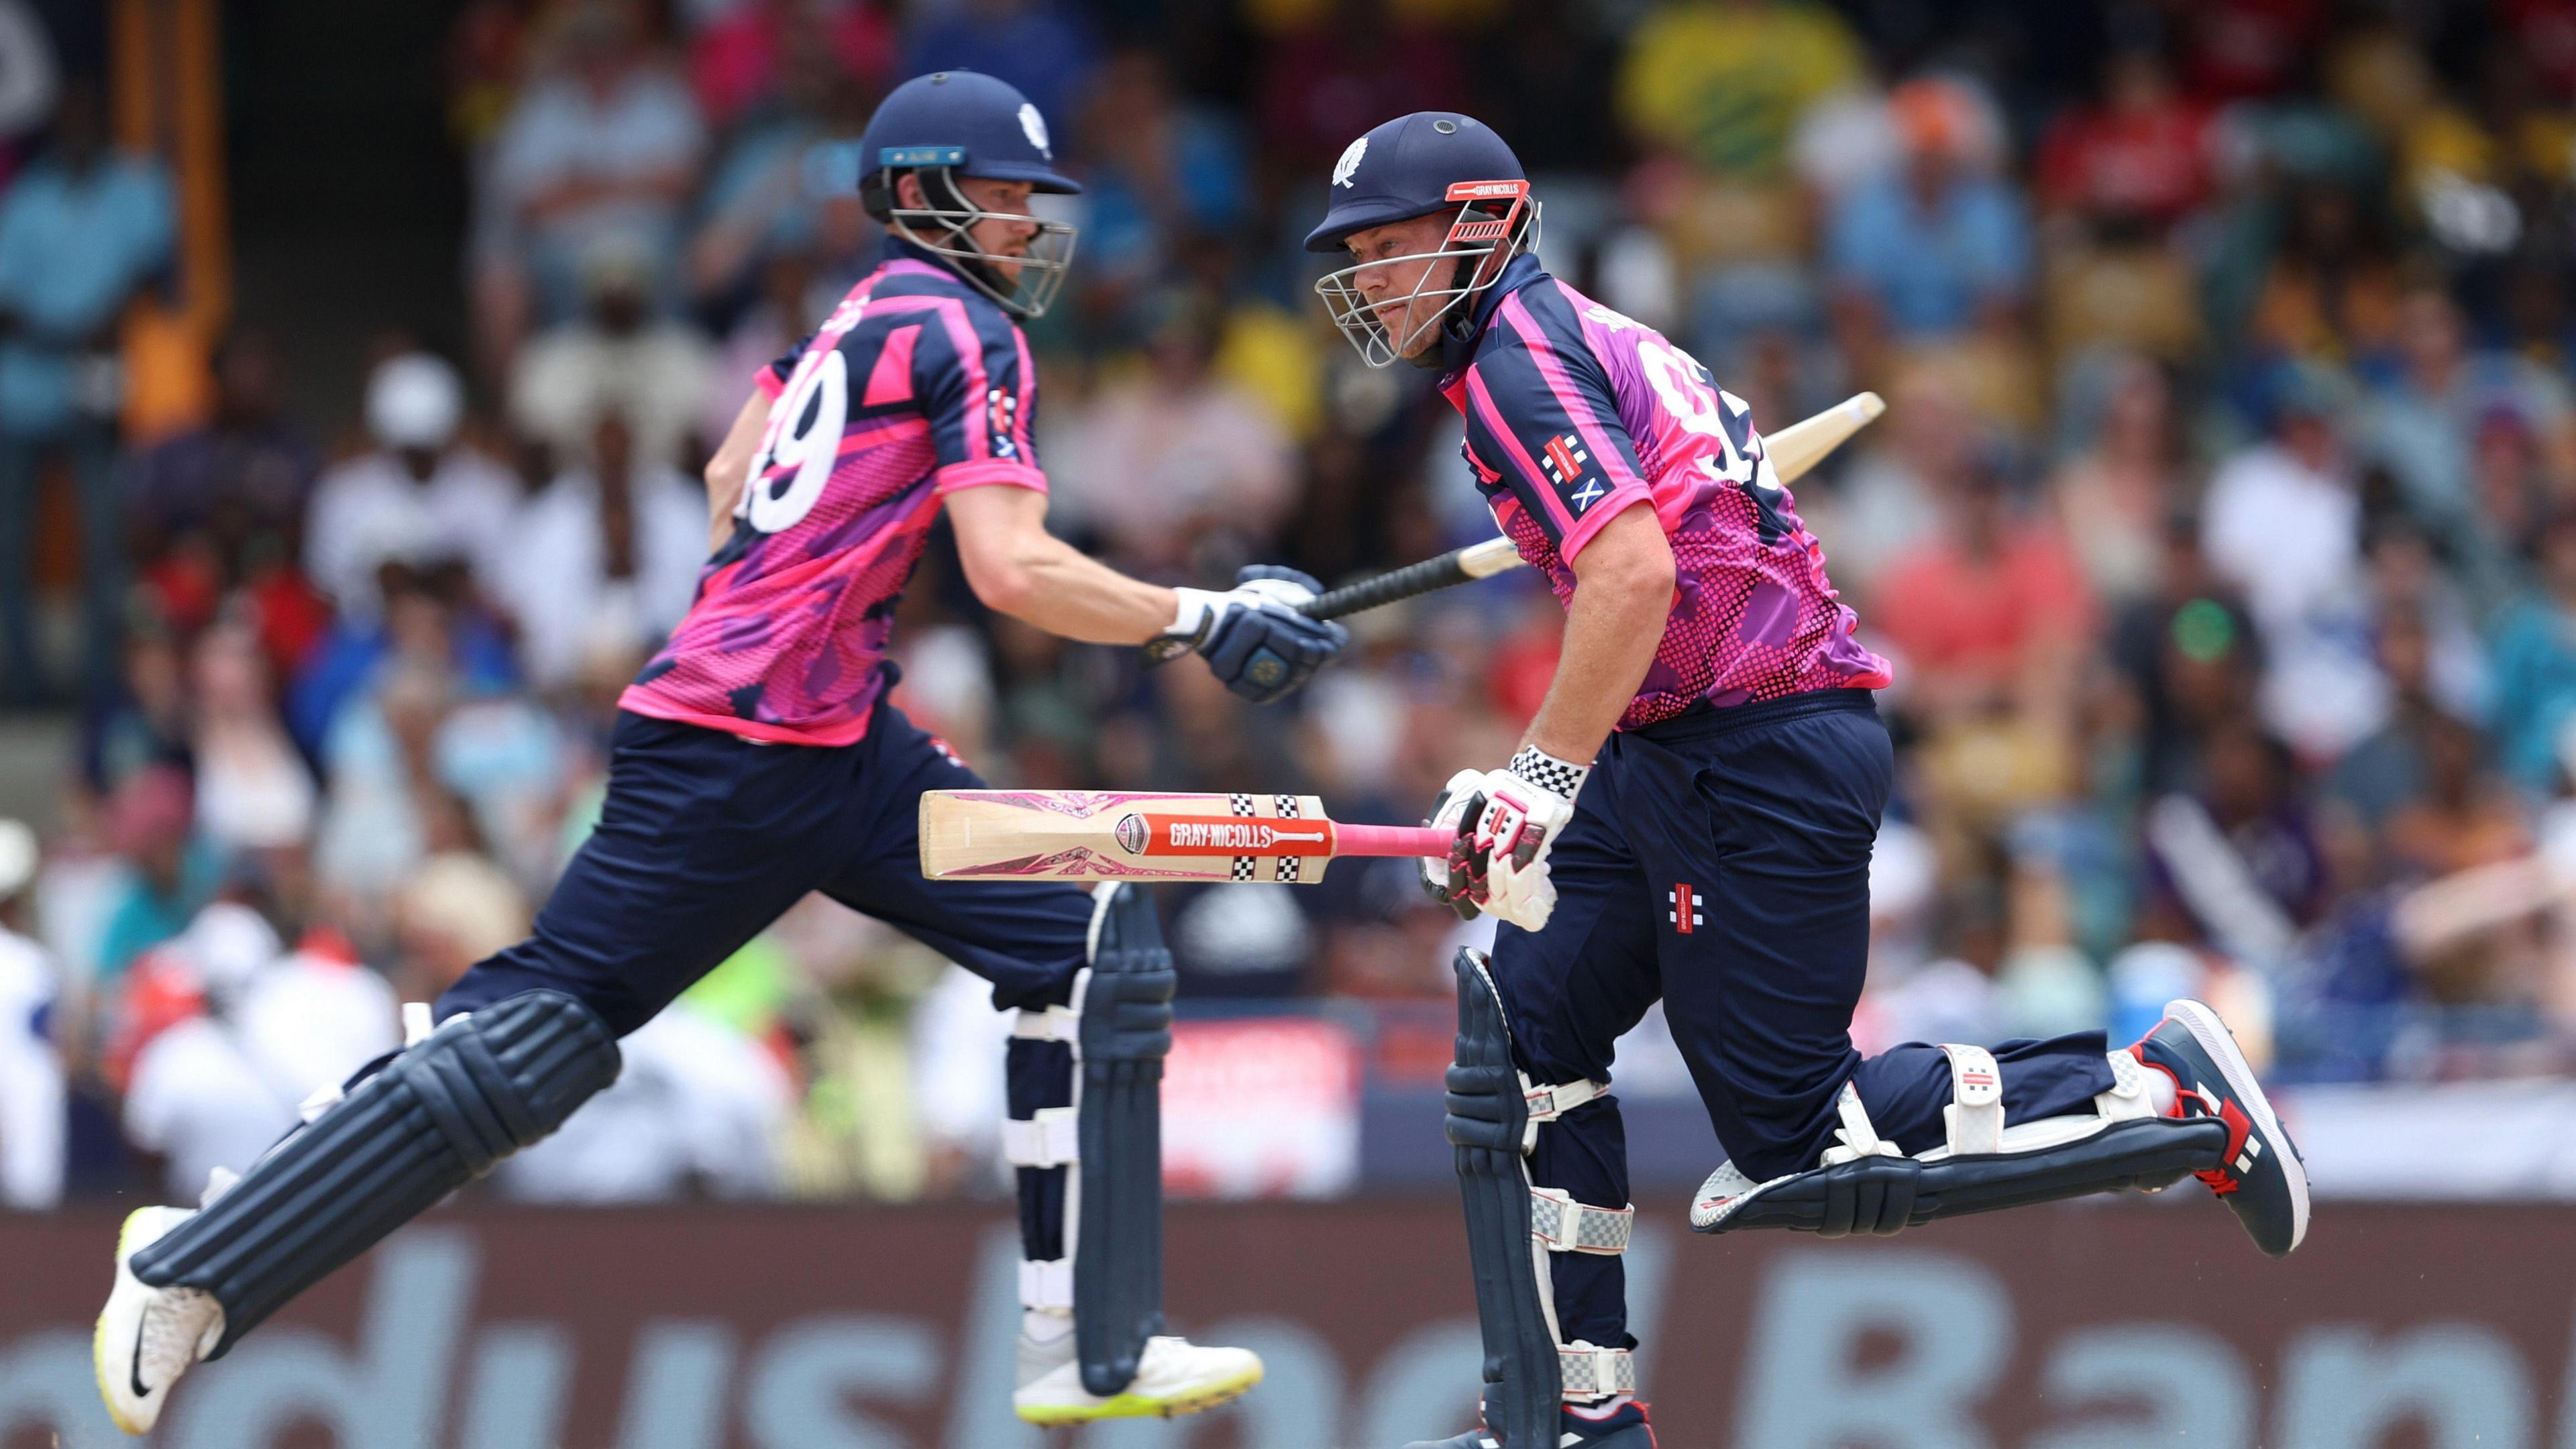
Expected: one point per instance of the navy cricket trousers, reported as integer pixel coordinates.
(1720, 861)
(706, 838)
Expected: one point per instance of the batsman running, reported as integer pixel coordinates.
(757, 759)
(1690, 817)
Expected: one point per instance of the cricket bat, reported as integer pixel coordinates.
(1095, 835)
(1792, 451)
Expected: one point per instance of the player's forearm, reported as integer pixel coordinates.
(1623, 593)
(1018, 568)
(731, 466)
(1053, 586)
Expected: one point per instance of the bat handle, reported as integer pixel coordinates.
(1391, 840)
(1421, 578)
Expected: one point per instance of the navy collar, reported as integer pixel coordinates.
(1458, 347)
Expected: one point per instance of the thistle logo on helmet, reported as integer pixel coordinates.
(1132, 834)
(1349, 165)
(1035, 126)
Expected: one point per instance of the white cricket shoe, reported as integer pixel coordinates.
(1174, 1376)
(148, 1336)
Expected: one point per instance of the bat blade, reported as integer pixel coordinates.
(1141, 835)
(1799, 447)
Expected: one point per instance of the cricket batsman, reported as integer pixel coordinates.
(756, 758)
(1690, 817)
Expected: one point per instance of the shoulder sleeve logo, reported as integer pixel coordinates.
(1035, 126)
(1349, 166)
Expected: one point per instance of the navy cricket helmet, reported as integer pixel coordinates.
(1428, 163)
(960, 123)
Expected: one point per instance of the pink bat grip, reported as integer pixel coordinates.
(1390, 840)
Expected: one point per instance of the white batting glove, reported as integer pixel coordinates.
(1499, 863)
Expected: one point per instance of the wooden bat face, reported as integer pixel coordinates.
(1803, 444)
(1092, 835)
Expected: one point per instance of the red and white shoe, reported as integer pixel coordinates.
(2262, 1179)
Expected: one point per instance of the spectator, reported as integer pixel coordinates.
(144, 722)
(2188, 654)
(2429, 424)
(212, 1092)
(1900, 487)
(1044, 47)
(618, 357)
(82, 232)
(2330, 293)
(2387, 770)
(1170, 454)
(431, 618)
(450, 913)
(2112, 499)
(602, 148)
(785, 172)
(1940, 246)
(168, 871)
(31, 1074)
(762, 50)
(604, 562)
(421, 497)
(1988, 603)
(2282, 523)
(253, 791)
(241, 482)
(2464, 818)
(1162, 174)
(2140, 158)
(2236, 864)
(1724, 82)
(2535, 666)
(1350, 66)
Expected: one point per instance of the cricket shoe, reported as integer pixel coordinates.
(1173, 1376)
(1620, 1426)
(148, 1336)
(2262, 1179)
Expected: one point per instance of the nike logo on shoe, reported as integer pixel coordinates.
(134, 1365)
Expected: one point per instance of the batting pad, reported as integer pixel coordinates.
(1487, 1123)
(1125, 1032)
(438, 1116)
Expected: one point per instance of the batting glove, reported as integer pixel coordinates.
(1253, 638)
(1506, 821)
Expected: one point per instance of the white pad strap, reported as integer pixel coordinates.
(1047, 1023)
(2128, 1097)
(1547, 1103)
(1975, 1116)
(1048, 1284)
(1051, 1139)
(1858, 1138)
(1566, 1226)
(1592, 1372)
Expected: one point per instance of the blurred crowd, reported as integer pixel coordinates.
(2222, 528)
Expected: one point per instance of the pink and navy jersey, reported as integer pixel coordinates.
(915, 387)
(1573, 414)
